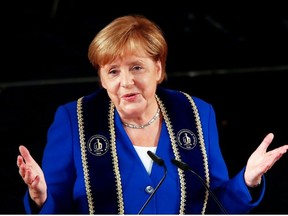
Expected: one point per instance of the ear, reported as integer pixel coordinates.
(158, 70)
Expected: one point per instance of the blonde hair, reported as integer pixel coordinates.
(127, 34)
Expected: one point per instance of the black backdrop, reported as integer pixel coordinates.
(232, 56)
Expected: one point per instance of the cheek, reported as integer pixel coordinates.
(103, 78)
(148, 85)
(105, 82)
(111, 87)
(152, 79)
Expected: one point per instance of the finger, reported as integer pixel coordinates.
(22, 171)
(35, 182)
(29, 177)
(273, 156)
(266, 142)
(276, 154)
(25, 172)
(280, 150)
(19, 160)
(25, 154)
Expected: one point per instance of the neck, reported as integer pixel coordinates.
(144, 125)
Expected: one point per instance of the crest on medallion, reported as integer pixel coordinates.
(98, 145)
(186, 139)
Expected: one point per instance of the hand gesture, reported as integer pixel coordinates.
(32, 175)
(261, 161)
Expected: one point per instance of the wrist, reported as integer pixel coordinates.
(254, 186)
(254, 183)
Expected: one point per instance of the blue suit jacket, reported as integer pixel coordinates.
(62, 166)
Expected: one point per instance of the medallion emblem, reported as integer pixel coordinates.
(98, 145)
(186, 139)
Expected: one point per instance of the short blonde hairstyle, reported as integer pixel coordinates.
(127, 34)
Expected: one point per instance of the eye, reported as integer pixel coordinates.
(136, 68)
(113, 72)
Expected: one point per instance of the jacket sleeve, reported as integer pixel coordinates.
(58, 166)
(232, 193)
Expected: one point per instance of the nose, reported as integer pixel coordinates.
(126, 79)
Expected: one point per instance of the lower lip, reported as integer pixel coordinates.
(130, 98)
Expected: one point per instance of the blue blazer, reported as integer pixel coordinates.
(63, 170)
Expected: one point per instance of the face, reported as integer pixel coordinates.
(131, 83)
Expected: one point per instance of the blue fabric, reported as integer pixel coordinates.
(63, 170)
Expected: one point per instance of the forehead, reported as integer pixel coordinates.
(130, 57)
(124, 51)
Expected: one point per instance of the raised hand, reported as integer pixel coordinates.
(261, 161)
(32, 175)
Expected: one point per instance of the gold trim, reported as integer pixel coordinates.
(113, 153)
(84, 156)
(115, 156)
(115, 160)
(176, 154)
(202, 147)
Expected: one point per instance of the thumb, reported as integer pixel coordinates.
(266, 142)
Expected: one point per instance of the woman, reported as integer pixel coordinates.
(96, 160)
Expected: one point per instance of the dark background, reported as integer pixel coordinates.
(233, 56)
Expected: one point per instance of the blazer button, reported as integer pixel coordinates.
(149, 189)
